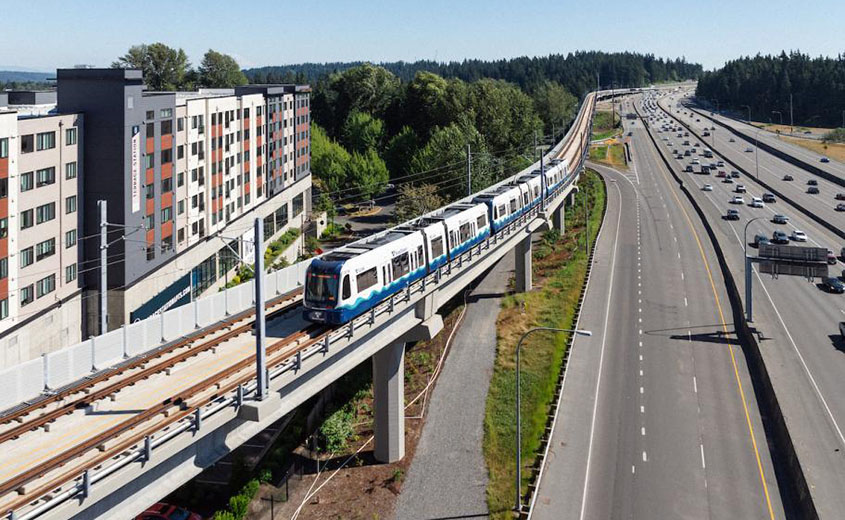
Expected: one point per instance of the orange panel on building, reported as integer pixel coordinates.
(150, 207)
(150, 145)
(166, 229)
(166, 141)
(166, 170)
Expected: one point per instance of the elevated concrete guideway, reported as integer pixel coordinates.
(129, 471)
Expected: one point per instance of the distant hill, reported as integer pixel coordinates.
(9, 76)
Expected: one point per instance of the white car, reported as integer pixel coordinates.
(756, 202)
(749, 149)
(739, 188)
(736, 199)
(707, 187)
(799, 236)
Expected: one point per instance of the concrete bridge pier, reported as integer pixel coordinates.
(559, 218)
(523, 264)
(389, 402)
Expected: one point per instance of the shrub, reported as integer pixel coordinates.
(337, 429)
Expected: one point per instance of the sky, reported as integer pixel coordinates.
(49, 34)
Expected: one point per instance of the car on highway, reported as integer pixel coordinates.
(695, 160)
(780, 219)
(787, 177)
(842, 328)
(840, 207)
(840, 196)
(162, 511)
(697, 120)
(721, 174)
(706, 134)
(688, 168)
(761, 240)
(706, 187)
(813, 190)
(812, 182)
(768, 197)
(779, 237)
(736, 199)
(735, 174)
(739, 188)
(824, 159)
(748, 149)
(831, 257)
(728, 180)
(833, 285)
(732, 214)
(756, 202)
(732, 140)
(686, 153)
(705, 170)
(720, 164)
(799, 236)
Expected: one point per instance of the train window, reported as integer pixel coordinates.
(465, 232)
(437, 247)
(482, 221)
(420, 256)
(536, 192)
(366, 279)
(401, 265)
(513, 206)
(347, 290)
(501, 211)
(525, 199)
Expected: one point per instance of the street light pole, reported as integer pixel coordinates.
(748, 295)
(577, 332)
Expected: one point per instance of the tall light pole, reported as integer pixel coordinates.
(748, 314)
(577, 332)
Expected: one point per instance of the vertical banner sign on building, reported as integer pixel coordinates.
(136, 171)
(248, 247)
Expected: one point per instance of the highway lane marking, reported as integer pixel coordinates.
(694, 384)
(642, 409)
(682, 275)
(685, 302)
(642, 431)
(725, 330)
(641, 357)
(641, 372)
(633, 469)
(641, 390)
(703, 465)
(645, 456)
(601, 357)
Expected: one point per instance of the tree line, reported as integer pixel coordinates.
(167, 69)
(764, 83)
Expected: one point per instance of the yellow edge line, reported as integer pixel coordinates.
(725, 329)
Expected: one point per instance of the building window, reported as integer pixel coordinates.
(70, 238)
(166, 214)
(149, 161)
(167, 185)
(45, 249)
(166, 244)
(27, 181)
(149, 222)
(70, 273)
(151, 114)
(166, 112)
(70, 204)
(45, 176)
(193, 122)
(180, 152)
(166, 127)
(181, 235)
(180, 179)
(180, 124)
(151, 130)
(27, 257)
(4, 187)
(45, 141)
(27, 220)
(151, 191)
(70, 170)
(4, 227)
(27, 143)
(4, 148)
(70, 136)
(181, 207)
(27, 295)
(296, 206)
(4, 267)
(151, 253)
(167, 156)
(45, 285)
(4, 308)
(45, 213)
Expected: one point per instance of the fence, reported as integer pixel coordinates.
(28, 380)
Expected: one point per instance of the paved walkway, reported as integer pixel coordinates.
(448, 477)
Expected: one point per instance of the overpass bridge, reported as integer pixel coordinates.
(111, 425)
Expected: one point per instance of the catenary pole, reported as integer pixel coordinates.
(104, 246)
(260, 347)
(469, 170)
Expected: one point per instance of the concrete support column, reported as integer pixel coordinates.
(559, 218)
(389, 402)
(523, 264)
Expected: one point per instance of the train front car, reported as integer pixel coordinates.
(322, 289)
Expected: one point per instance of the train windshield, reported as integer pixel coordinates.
(321, 289)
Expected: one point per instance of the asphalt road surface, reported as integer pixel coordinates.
(658, 417)
(801, 344)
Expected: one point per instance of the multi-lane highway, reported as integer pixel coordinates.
(795, 319)
(658, 417)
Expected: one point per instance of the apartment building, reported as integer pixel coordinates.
(40, 182)
(183, 174)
